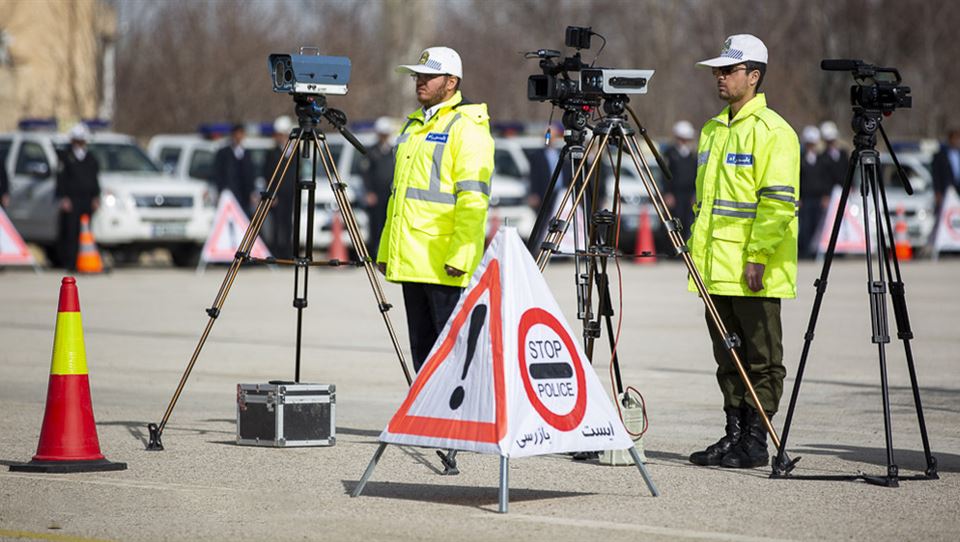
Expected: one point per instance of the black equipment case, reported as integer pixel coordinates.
(283, 414)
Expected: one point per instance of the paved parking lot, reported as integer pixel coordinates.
(141, 325)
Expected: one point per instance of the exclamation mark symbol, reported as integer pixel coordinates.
(477, 317)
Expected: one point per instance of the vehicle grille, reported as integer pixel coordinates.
(159, 201)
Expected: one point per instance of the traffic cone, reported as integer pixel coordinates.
(68, 437)
(337, 250)
(645, 252)
(493, 226)
(901, 240)
(88, 259)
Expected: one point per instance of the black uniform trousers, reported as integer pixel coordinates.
(428, 306)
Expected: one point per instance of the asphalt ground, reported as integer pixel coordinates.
(141, 326)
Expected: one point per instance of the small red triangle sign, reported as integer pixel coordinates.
(229, 225)
(851, 239)
(489, 431)
(13, 251)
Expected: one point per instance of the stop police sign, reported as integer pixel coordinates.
(551, 370)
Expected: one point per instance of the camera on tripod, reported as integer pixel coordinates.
(309, 73)
(877, 88)
(569, 81)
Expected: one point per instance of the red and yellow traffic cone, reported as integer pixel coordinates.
(337, 250)
(88, 258)
(645, 252)
(68, 437)
(901, 239)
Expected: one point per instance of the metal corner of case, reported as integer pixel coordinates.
(333, 440)
(332, 388)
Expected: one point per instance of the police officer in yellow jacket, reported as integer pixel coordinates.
(744, 242)
(433, 237)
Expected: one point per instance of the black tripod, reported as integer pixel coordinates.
(865, 159)
(614, 130)
(306, 142)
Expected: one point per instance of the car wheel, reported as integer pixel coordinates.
(186, 255)
(125, 256)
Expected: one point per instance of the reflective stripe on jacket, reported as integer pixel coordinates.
(748, 185)
(437, 212)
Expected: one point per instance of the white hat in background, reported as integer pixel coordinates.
(436, 61)
(79, 132)
(738, 49)
(282, 125)
(384, 126)
(683, 130)
(811, 135)
(829, 131)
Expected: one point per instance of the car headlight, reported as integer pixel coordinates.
(112, 200)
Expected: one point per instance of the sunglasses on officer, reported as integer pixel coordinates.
(728, 70)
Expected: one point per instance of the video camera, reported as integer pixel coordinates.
(877, 88)
(309, 73)
(569, 81)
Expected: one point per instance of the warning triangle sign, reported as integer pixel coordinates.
(229, 225)
(947, 237)
(13, 251)
(506, 375)
(851, 239)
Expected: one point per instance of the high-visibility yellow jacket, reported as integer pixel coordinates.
(748, 185)
(437, 212)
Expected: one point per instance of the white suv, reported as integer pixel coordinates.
(140, 208)
(187, 156)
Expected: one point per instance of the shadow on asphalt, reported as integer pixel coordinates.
(483, 498)
(138, 430)
(908, 460)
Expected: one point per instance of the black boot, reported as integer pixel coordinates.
(715, 452)
(751, 451)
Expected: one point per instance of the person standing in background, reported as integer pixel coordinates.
(233, 170)
(378, 169)
(77, 192)
(681, 159)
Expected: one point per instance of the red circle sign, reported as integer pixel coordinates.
(563, 421)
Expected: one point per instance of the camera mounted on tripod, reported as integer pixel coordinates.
(309, 78)
(570, 83)
(876, 89)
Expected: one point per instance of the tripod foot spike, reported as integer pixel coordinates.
(154, 444)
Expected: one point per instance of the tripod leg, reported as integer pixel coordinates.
(243, 252)
(643, 472)
(905, 333)
(781, 465)
(356, 238)
(646, 176)
(369, 472)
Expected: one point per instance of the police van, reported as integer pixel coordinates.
(140, 208)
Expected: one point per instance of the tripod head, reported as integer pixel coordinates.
(311, 108)
(877, 93)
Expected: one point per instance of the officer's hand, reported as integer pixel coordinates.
(95, 204)
(753, 274)
(66, 205)
(5, 200)
(453, 271)
(382, 267)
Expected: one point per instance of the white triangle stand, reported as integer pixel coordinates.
(520, 383)
(504, 492)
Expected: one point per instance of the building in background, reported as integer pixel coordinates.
(56, 60)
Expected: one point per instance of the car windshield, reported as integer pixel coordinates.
(119, 157)
(504, 164)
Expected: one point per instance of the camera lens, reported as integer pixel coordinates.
(278, 74)
(288, 76)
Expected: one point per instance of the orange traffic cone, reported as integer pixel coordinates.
(337, 250)
(901, 240)
(645, 252)
(88, 259)
(493, 226)
(68, 437)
